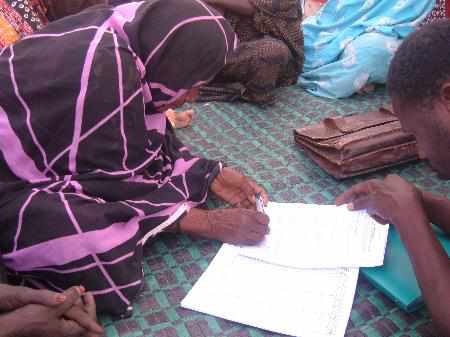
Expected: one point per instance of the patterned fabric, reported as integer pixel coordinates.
(89, 168)
(270, 54)
(350, 43)
(260, 143)
(439, 11)
(19, 18)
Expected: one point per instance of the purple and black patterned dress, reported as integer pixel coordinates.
(89, 168)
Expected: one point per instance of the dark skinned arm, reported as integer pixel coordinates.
(438, 210)
(394, 200)
(431, 265)
(242, 7)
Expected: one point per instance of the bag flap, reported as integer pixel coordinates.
(339, 126)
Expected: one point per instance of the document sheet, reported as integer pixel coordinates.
(295, 302)
(320, 236)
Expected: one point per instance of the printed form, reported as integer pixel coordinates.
(295, 302)
(301, 280)
(320, 236)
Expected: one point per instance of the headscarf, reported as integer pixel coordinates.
(196, 43)
(172, 50)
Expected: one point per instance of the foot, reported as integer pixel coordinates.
(367, 89)
(231, 225)
(312, 7)
(181, 119)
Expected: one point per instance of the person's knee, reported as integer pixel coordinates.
(274, 51)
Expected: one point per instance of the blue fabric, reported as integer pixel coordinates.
(350, 43)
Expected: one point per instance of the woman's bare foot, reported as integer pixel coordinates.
(367, 89)
(232, 225)
(181, 119)
(312, 7)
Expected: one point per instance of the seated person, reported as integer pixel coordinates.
(25, 312)
(419, 85)
(90, 169)
(270, 54)
(350, 43)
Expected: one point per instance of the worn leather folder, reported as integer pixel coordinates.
(357, 144)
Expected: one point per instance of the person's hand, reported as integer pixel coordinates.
(12, 298)
(237, 226)
(35, 320)
(392, 200)
(84, 312)
(231, 225)
(237, 189)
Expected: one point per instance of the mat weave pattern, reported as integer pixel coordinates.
(260, 143)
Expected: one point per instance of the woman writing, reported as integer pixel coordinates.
(90, 168)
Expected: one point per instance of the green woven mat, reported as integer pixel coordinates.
(260, 143)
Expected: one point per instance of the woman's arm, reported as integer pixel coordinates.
(242, 7)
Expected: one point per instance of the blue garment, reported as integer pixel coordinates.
(350, 43)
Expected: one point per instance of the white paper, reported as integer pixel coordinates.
(320, 236)
(296, 302)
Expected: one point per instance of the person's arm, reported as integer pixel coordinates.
(438, 210)
(431, 265)
(396, 201)
(242, 225)
(242, 7)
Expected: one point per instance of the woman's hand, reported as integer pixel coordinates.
(237, 189)
(41, 313)
(237, 226)
(84, 312)
(12, 298)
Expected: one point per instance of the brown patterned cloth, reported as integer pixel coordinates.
(270, 54)
(438, 13)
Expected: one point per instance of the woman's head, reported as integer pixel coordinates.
(419, 85)
(182, 45)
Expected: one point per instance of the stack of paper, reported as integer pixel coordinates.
(301, 280)
(320, 236)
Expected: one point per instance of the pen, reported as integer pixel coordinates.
(259, 203)
(260, 206)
